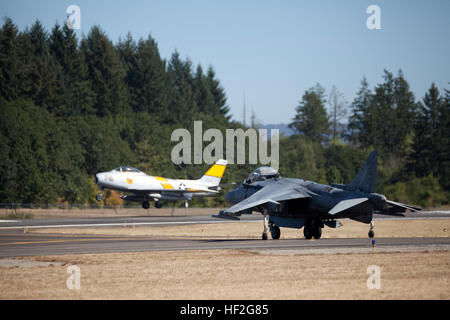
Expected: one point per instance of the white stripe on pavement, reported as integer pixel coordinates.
(128, 223)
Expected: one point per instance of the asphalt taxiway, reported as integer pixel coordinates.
(14, 244)
(167, 220)
(15, 241)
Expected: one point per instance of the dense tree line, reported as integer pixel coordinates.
(72, 107)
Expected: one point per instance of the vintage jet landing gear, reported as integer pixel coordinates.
(274, 231)
(371, 232)
(99, 197)
(158, 204)
(145, 204)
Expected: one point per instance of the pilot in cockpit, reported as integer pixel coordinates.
(262, 173)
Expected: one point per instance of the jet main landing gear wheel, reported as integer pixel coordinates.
(312, 228)
(158, 204)
(275, 231)
(307, 232)
(145, 204)
(317, 231)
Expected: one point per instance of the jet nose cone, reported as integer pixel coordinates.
(98, 178)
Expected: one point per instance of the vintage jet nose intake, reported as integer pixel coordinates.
(96, 179)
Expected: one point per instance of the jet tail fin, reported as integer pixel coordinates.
(365, 179)
(212, 177)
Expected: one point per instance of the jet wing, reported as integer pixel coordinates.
(270, 194)
(348, 203)
(402, 205)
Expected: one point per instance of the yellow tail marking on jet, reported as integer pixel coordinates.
(164, 183)
(195, 190)
(216, 170)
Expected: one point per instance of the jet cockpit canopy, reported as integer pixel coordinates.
(127, 169)
(262, 173)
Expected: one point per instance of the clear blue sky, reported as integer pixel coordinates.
(275, 50)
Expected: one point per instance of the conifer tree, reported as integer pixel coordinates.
(146, 76)
(357, 125)
(77, 91)
(39, 74)
(218, 92)
(311, 119)
(105, 72)
(9, 63)
(182, 105)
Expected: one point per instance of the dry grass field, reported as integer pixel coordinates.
(104, 212)
(237, 274)
(231, 274)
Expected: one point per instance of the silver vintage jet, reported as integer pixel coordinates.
(299, 203)
(145, 188)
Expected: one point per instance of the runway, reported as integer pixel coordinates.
(14, 242)
(115, 222)
(167, 220)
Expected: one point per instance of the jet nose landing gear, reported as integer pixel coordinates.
(99, 197)
(270, 226)
(266, 222)
(371, 231)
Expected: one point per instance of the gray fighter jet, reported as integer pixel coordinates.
(299, 203)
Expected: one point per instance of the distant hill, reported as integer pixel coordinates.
(283, 127)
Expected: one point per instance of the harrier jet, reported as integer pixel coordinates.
(299, 203)
(145, 188)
